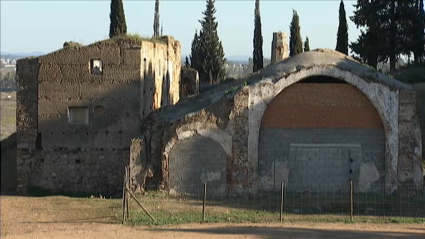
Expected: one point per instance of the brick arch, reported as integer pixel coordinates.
(318, 105)
(382, 98)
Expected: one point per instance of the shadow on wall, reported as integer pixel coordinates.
(150, 97)
(8, 165)
(166, 88)
(89, 159)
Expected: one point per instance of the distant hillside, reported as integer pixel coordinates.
(19, 55)
(230, 59)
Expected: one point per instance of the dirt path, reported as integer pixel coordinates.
(62, 217)
(305, 230)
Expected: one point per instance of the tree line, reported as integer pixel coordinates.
(7, 80)
(390, 29)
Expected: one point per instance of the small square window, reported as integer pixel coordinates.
(78, 115)
(96, 67)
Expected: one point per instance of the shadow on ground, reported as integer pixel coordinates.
(283, 232)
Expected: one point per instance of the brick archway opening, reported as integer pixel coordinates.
(319, 133)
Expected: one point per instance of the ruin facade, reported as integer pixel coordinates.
(189, 82)
(79, 107)
(314, 121)
(280, 48)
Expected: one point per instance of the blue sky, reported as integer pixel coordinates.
(43, 26)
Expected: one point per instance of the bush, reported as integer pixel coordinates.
(412, 73)
(71, 44)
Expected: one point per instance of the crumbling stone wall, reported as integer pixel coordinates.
(231, 115)
(194, 161)
(410, 153)
(280, 48)
(189, 82)
(160, 73)
(26, 118)
(136, 78)
(420, 110)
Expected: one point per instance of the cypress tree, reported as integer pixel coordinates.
(194, 55)
(342, 35)
(295, 40)
(211, 55)
(258, 40)
(186, 63)
(156, 20)
(117, 26)
(306, 44)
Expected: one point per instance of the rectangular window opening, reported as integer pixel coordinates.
(78, 115)
(96, 67)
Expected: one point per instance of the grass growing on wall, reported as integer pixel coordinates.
(132, 38)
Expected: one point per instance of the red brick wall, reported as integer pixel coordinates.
(329, 105)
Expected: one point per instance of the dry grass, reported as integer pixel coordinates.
(55, 209)
(8, 114)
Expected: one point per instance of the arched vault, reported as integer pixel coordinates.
(237, 108)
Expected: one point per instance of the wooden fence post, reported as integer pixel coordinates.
(282, 193)
(204, 201)
(351, 200)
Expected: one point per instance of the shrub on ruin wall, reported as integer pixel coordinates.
(71, 44)
(132, 39)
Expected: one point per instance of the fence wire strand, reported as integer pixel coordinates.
(296, 200)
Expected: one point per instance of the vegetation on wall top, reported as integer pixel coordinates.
(72, 44)
(132, 39)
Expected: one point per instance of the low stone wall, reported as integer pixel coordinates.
(76, 172)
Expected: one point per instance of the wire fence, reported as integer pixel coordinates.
(216, 204)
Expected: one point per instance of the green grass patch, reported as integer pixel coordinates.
(163, 217)
(171, 209)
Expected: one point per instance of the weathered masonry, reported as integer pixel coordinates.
(78, 108)
(313, 121)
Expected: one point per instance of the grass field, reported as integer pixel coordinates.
(4, 70)
(8, 114)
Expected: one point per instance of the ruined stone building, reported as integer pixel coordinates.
(280, 47)
(313, 121)
(79, 107)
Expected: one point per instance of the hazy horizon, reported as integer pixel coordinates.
(24, 29)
